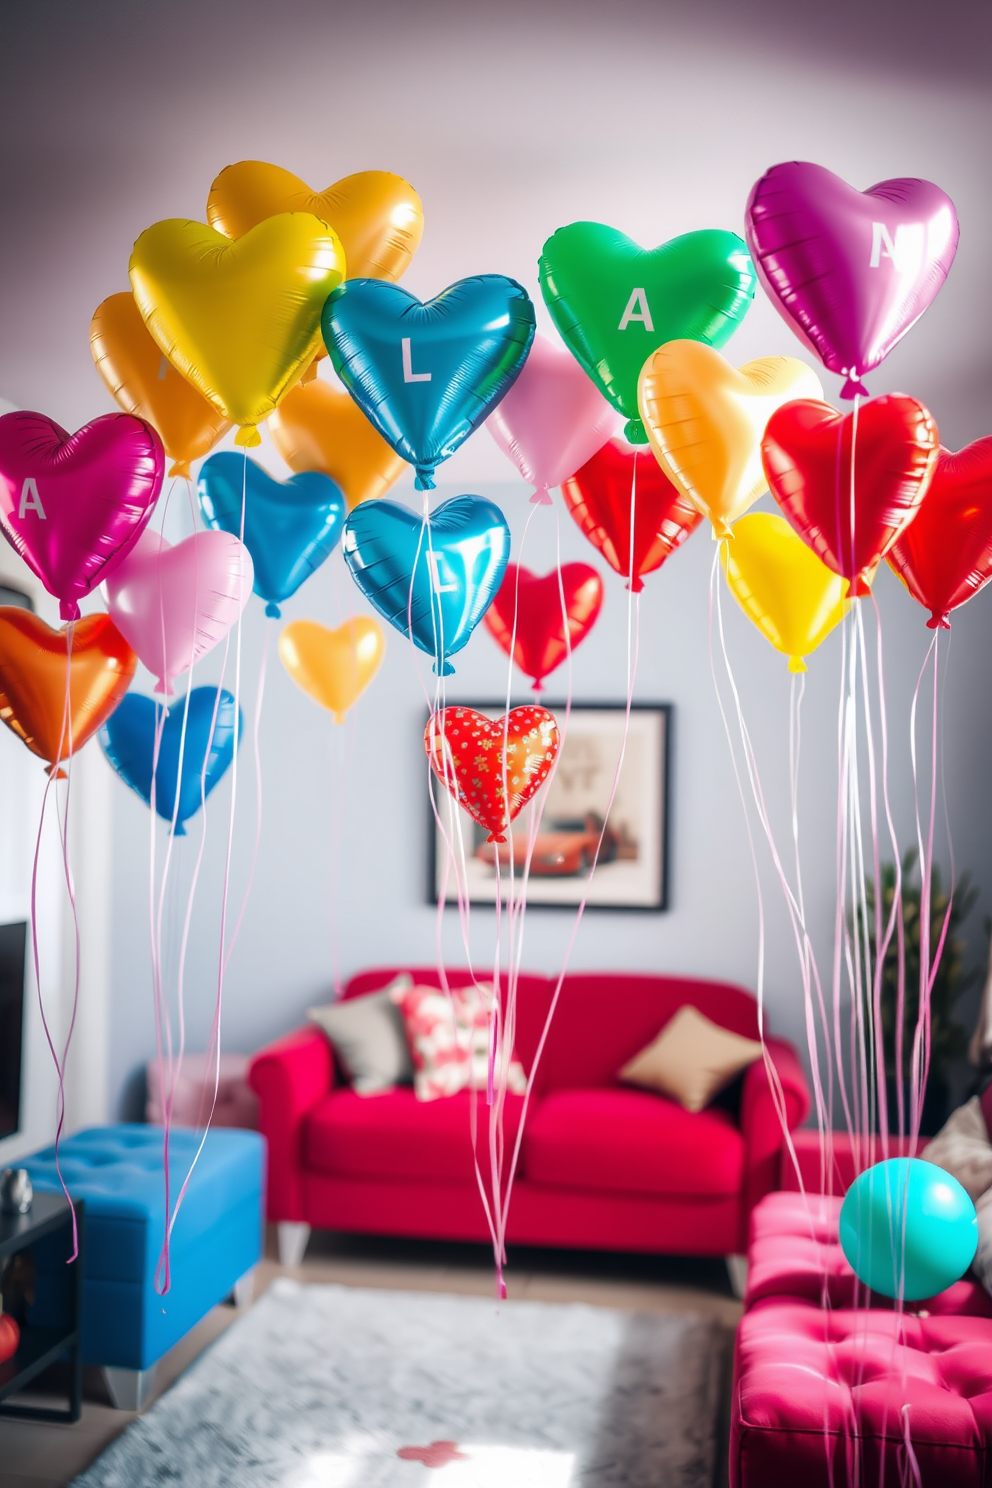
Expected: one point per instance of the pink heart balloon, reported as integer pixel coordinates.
(173, 604)
(71, 504)
(850, 271)
(553, 419)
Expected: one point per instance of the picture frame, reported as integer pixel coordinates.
(631, 873)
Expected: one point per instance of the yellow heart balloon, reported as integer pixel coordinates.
(377, 216)
(793, 598)
(334, 667)
(705, 420)
(240, 320)
(318, 427)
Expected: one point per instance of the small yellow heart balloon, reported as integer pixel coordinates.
(793, 598)
(377, 216)
(317, 427)
(333, 666)
(705, 420)
(240, 320)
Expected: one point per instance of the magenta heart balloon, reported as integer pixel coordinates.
(850, 271)
(71, 504)
(173, 604)
(553, 419)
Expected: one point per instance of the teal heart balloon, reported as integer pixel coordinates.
(427, 375)
(614, 303)
(432, 578)
(290, 527)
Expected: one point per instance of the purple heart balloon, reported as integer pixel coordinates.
(72, 504)
(850, 271)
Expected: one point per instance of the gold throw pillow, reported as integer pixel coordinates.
(691, 1060)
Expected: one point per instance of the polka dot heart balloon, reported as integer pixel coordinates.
(492, 767)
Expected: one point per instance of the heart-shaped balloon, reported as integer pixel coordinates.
(432, 579)
(71, 504)
(849, 270)
(705, 420)
(334, 667)
(599, 498)
(552, 419)
(525, 619)
(173, 604)
(318, 427)
(144, 382)
(33, 679)
(807, 457)
(377, 216)
(945, 555)
(241, 319)
(492, 767)
(199, 729)
(781, 585)
(290, 527)
(427, 375)
(615, 302)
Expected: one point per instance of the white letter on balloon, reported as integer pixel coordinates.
(408, 373)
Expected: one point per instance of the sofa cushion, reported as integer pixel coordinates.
(962, 1148)
(394, 1135)
(369, 1038)
(691, 1060)
(629, 1141)
(448, 1034)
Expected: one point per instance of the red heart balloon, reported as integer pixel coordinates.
(945, 556)
(538, 641)
(806, 453)
(598, 498)
(466, 750)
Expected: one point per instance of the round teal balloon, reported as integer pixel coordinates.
(908, 1228)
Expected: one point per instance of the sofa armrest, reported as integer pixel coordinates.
(289, 1077)
(760, 1124)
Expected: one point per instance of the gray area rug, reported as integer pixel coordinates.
(335, 1387)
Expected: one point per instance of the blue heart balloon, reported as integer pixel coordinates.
(427, 375)
(291, 526)
(128, 741)
(433, 578)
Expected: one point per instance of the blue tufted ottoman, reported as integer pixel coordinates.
(217, 1239)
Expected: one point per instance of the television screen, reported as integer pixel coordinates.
(13, 943)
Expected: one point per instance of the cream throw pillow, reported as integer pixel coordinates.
(691, 1060)
(962, 1148)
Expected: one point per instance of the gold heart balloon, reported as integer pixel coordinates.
(240, 319)
(334, 667)
(317, 427)
(705, 420)
(377, 216)
(793, 598)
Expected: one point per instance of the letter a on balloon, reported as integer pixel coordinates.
(637, 309)
(31, 499)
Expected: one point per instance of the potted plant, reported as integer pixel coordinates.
(948, 1037)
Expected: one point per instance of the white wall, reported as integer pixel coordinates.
(511, 121)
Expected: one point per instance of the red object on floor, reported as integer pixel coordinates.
(438, 1454)
(10, 1337)
(602, 1165)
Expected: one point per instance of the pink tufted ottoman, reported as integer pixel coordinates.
(237, 1103)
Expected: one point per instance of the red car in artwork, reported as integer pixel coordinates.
(563, 849)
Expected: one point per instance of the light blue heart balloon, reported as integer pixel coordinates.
(128, 741)
(427, 375)
(432, 578)
(291, 527)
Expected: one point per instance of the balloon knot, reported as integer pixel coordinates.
(541, 497)
(538, 684)
(721, 530)
(179, 830)
(164, 686)
(796, 664)
(858, 587)
(938, 621)
(248, 437)
(68, 610)
(310, 372)
(339, 717)
(635, 432)
(181, 467)
(273, 611)
(447, 670)
(635, 585)
(425, 478)
(57, 773)
(495, 837)
(853, 387)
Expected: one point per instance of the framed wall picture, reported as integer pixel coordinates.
(632, 870)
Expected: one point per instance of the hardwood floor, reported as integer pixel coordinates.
(39, 1455)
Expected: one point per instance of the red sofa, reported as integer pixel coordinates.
(602, 1165)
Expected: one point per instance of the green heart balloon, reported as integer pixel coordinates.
(614, 303)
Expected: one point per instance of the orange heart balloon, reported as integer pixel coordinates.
(377, 216)
(316, 427)
(144, 382)
(334, 667)
(705, 420)
(33, 679)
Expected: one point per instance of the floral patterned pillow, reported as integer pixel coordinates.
(449, 1040)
